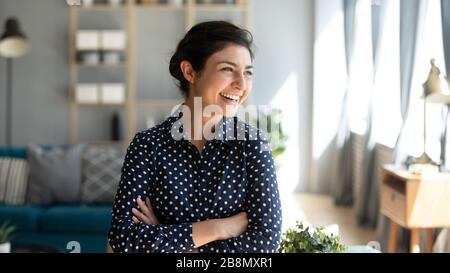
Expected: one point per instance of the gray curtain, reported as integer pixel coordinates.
(342, 186)
(412, 15)
(367, 205)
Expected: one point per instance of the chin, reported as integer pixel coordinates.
(228, 113)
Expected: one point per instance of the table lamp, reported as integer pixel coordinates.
(435, 90)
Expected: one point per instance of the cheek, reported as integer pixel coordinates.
(215, 85)
(249, 90)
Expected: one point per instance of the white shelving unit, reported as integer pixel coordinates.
(132, 104)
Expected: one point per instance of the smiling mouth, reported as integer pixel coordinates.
(227, 96)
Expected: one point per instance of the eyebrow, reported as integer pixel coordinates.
(235, 65)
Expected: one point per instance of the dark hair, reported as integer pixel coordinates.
(202, 41)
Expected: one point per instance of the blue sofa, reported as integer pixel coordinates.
(57, 225)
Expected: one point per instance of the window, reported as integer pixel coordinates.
(429, 47)
(387, 113)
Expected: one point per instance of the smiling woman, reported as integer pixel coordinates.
(200, 194)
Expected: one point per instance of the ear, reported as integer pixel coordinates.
(188, 71)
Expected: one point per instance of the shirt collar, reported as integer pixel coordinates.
(228, 128)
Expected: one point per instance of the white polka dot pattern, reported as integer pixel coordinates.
(184, 186)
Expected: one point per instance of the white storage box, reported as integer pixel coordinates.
(88, 40)
(113, 40)
(88, 3)
(87, 93)
(113, 93)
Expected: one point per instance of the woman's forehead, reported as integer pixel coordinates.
(234, 54)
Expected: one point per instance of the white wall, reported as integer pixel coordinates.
(328, 90)
(283, 32)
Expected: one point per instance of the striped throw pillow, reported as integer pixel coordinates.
(13, 180)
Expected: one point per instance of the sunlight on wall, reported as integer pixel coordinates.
(329, 76)
(286, 99)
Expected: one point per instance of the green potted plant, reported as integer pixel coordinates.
(6, 231)
(303, 239)
(274, 132)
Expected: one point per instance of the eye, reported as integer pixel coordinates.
(228, 69)
(249, 73)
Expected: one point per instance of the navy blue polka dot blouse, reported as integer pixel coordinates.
(229, 176)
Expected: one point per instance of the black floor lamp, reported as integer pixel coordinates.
(13, 44)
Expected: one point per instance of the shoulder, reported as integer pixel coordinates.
(153, 134)
(251, 132)
(255, 138)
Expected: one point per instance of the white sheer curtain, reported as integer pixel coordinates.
(430, 46)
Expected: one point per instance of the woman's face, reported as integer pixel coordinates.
(226, 80)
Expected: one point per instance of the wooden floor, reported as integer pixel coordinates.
(320, 210)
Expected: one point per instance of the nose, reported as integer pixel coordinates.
(240, 82)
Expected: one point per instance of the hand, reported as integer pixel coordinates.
(146, 215)
(233, 226)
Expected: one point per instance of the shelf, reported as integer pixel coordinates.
(102, 7)
(169, 7)
(104, 142)
(122, 66)
(130, 9)
(219, 7)
(162, 7)
(158, 102)
(101, 104)
(100, 50)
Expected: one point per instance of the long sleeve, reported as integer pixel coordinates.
(124, 235)
(263, 204)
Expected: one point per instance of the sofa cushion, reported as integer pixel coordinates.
(16, 152)
(55, 176)
(13, 180)
(80, 219)
(21, 152)
(25, 218)
(101, 174)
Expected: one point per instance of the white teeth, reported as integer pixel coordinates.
(228, 96)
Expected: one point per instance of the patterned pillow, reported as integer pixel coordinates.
(14, 174)
(101, 174)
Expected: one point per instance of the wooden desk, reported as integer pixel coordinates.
(415, 202)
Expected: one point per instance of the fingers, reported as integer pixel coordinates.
(148, 212)
(145, 214)
(143, 207)
(140, 216)
(150, 208)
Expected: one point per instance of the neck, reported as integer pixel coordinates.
(197, 120)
